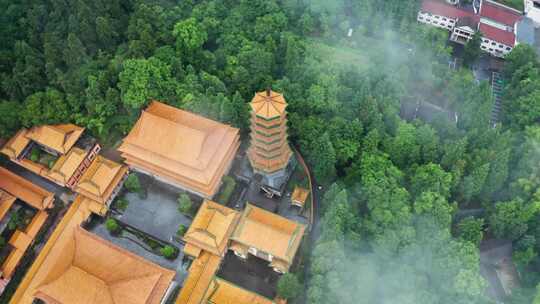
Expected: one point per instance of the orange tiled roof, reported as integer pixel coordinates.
(211, 228)
(66, 165)
(200, 276)
(100, 179)
(20, 241)
(299, 196)
(57, 137)
(223, 292)
(269, 149)
(187, 149)
(24, 190)
(15, 145)
(6, 201)
(37, 222)
(268, 104)
(76, 266)
(269, 232)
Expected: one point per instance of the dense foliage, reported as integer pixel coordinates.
(389, 228)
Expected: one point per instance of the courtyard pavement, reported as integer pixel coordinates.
(157, 214)
(253, 274)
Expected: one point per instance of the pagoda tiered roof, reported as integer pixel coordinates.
(269, 150)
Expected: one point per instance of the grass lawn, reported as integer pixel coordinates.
(517, 4)
(339, 54)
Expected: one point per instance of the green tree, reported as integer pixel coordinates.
(190, 36)
(472, 49)
(431, 177)
(112, 226)
(75, 52)
(10, 122)
(402, 148)
(434, 206)
(47, 107)
(471, 229)
(132, 183)
(184, 204)
(144, 79)
(169, 252)
(511, 219)
(182, 229)
(288, 287)
(323, 158)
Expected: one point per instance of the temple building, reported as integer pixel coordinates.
(210, 230)
(60, 154)
(76, 266)
(269, 152)
(101, 181)
(181, 148)
(17, 193)
(217, 229)
(55, 152)
(268, 236)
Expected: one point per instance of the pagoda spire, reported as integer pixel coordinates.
(269, 150)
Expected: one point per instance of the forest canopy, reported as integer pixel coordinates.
(395, 190)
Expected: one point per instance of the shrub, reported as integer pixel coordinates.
(181, 230)
(35, 154)
(132, 183)
(121, 203)
(184, 204)
(169, 252)
(228, 187)
(113, 226)
(288, 286)
(153, 244)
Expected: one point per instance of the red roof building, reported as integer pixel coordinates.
(496, 23)
(499, 13)
(497, 34)
(444, 9)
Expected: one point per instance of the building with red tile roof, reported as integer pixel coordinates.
(496, 34)
(499, 13)
(496, 22)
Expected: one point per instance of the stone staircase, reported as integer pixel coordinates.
(496, 93)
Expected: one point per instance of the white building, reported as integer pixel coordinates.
(532, 10)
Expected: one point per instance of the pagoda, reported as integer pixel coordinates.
(269, 152)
